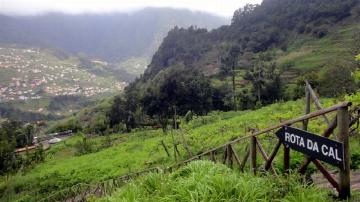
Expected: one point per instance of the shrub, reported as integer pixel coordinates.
(293, 92)
(70, 124)
(355, 160)
(336, 80)
(188, 116)
(321, 31)
(84, 146)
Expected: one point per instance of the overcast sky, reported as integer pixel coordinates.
(31, 7)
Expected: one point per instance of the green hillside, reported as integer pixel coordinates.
(275, 45)
(201, 89)
(78, 161)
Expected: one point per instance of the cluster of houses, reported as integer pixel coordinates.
(31, 74)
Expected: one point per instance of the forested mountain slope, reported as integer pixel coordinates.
(263, 56)
(274, 24)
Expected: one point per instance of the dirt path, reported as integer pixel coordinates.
(320, 181)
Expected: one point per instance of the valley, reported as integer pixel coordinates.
(166, 104)
(30, 74)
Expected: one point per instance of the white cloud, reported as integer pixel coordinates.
(30, 7)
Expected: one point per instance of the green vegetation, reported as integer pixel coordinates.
(73, 161)
(256, 64)
(247, 64)
(206, 181)
(88, 120)
(14, 135)
(45, 109)
(134, 66)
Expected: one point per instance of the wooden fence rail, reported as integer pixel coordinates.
(227, 153)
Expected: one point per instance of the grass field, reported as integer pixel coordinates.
(140, 149)
(309, 54)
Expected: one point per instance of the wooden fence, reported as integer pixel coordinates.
(343, 121)
(80, 192)
(250, 147)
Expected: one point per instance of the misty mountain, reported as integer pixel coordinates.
(113, 37)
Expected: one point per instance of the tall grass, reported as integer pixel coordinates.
(206, 181)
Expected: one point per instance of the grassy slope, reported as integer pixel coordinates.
(134, 66)
(205, 181)
(138, 150)
(311, 54)
(306, 54)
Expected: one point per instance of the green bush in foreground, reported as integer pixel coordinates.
(206, 181)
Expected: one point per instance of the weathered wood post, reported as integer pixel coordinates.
(244, 160)
(212, 156)
(165, 147)
(307, 107)
(343, 124)
(286, 159)
(253, 154)
(225, 154)
(230, 156)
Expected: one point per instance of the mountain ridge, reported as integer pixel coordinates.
(118, 36)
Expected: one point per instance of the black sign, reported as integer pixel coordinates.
(318, 147)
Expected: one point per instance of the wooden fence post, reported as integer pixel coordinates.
(343, 124)
(243, 162)
(165, 147)
(230, 156)
(307, 107)
(253, 153)
(225, 154)
(212, 156)
(286, 159)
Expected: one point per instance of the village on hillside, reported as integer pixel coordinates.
(32, 74)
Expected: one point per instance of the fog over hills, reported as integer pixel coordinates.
(113, 37)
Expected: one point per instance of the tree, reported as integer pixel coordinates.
(342, 74)
(29, 131)
(228, 68)
(179, 92)
(7, 147)
(358, 57)
(242, 14)
(99, 124)
(265, 80)
(257, 78)
(8, 132)
(121, 113)
(157, 107)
